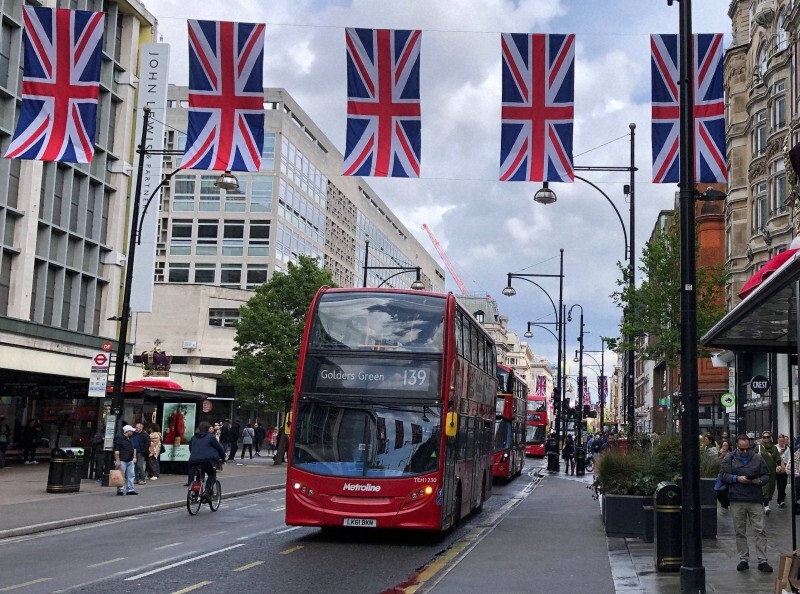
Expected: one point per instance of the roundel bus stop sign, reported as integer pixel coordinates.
(760, 384)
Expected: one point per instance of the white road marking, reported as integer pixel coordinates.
(107, 562)
(166, 546)
(30, 583)
(245, 506)
(184, 562)
(197, 586)
(285, 530)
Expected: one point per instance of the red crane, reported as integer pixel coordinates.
(447, 262)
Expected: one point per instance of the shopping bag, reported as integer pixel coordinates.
(115, 478)
(788, 578)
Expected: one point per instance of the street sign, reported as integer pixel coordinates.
(98, 376)
(727, 400)
(759, 384)
(107, 346)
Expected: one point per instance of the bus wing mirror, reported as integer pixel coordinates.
(451, 424)
(287, 426)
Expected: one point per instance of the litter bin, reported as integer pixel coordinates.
(66, 466)
(668, 528)
(580, 461)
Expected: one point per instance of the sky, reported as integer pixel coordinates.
(487, 227)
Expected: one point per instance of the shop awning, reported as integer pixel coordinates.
(162, 388)
(765, 320)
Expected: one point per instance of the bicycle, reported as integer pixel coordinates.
(197, 495)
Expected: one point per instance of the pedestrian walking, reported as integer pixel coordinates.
(98, 454)
(5, 437)
(31, 437)
(142, 441)
(782, 471)
(235, 433)
(225, 436)
(767, 450)
(568, 455)
(248, 436)
(272, 441)
(125, 459)
(746, 472)
(258, 441)
(154, 453)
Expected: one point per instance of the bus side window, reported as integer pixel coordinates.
(461, 438)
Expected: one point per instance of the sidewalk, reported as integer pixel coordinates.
(26, 507)
(554, 541)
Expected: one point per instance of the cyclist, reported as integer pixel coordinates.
(204, 451)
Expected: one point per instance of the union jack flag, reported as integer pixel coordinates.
(602, 386)
(384, 121)
(586, 395)
(708, 112)
(541, 385)
(226, 96)
(538, 107)
(60, 85)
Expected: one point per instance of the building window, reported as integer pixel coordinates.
(209, 193)
(205, 274)
(268, 154)
(762, 62)
(258, 244)
(261, 193)
(181, 241)
(779, 191)
(225, 318)
(760, 207)
(760, 134)
(256, 275)
(479, 315)
(5, 53)
(779, 105)
(207, 238)
(233, 238)
(780, 32)
(178, 273)
(183, 194)
(236, 200)
(231, 276)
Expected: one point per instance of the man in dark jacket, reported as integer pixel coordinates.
(260, 435)
(234, 434)
(745, 472)
(204, 451)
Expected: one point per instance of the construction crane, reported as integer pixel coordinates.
(447, 262)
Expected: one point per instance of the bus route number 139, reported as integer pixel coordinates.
(415, 377)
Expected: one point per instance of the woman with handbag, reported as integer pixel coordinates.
(156, 449)
(248, 436)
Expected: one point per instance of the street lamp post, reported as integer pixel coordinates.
(603, 381)
(547, 196)
(225, 181)
(509, 291)
(417, 285)
(580, 455)
(693, 574)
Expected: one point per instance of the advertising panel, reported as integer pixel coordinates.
(177, 429)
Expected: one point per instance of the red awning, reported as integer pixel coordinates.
(138, 386)
(761, 275)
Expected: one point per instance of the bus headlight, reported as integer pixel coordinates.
(504, 457)
(302, 489)
(418, 497)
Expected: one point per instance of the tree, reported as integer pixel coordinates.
(654, 308)
(268, 337)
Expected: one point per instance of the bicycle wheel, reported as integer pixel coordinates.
(216, 496)
(193, 501)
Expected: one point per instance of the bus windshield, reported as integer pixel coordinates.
(395, 322)
(502, 435)
(370, 440)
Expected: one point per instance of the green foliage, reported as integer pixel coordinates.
(653, 309)
(639, 470)
(269, 332)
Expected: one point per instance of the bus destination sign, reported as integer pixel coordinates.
(375, 377)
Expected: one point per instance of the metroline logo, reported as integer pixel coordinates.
(356, 487)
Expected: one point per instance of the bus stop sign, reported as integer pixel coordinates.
(727, 400)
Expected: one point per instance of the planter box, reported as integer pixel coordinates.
(628, 516)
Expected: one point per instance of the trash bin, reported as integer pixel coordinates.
(580, 461)
(66, 466)
(668, 527)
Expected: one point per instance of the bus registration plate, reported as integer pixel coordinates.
(361, 522)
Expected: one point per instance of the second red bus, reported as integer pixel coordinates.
(536, 425)
(509, 436)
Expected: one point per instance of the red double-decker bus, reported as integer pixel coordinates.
(392, 420)
(509, 432)
(536, 426)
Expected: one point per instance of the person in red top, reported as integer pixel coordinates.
(177, 427)
(272, 441)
